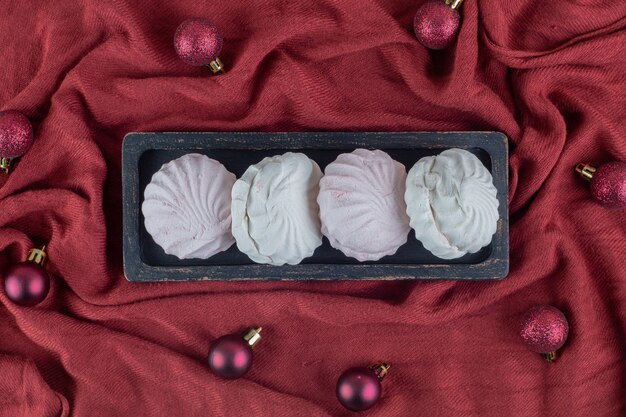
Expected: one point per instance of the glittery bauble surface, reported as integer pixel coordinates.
(436, 24)
(198, 41)
(26, 284)
(358, 389)
(544, 329)
(608, 185)
(230, 356)
(16, 134)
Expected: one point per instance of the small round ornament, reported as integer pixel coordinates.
(437, 23)
(608, 183)
(230, 356)
(198, 42)
(16, 136)
(359, 388)
(27, 283)
(544, 330)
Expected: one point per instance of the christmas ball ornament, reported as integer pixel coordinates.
(544, 330)
(16, 136)
(437, 23)
(230, 356)
(27, 283)
(608, 183)
(360, 388)
(198, 42)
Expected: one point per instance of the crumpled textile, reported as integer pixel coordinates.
(551, 75)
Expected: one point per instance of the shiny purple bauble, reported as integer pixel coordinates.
(198, 41)
(16, 134)
(436, 24)
(230, 356)
(26, 284)
(358, 388)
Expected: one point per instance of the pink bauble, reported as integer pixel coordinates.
(230, 356)
(608, 185)
(544, 329)
(436, 24)
(16, 134)
(26, 284)
(358, 388)
(198, 41)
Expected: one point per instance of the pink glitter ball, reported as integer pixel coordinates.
(436, 24)
(16, 134)
(198, 41)
(544, 329)
(608, 185)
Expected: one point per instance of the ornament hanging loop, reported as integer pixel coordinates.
(454, 4)
(253, 336)
(381, 369)
(549, 357)
(216, 66)
(5, 165)
(586, 171)
(37, 256)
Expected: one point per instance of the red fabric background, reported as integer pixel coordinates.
(550, 74)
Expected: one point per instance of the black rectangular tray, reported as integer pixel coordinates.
(145, 153)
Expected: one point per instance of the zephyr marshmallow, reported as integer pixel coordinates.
(452, 203)
(186, 207)
(362, 206)
(274, 210)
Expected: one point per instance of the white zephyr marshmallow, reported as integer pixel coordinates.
(187, 207)
(275, 215)
(362, 206)
(452, 203)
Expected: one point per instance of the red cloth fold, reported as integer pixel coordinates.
(551, 75)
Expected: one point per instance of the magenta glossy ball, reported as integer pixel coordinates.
(27, 284)
(436, 24)
(544, 329)
(230, 356)
(16, 134)
(198, 41)
(358, 389)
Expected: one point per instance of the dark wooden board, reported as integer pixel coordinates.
(145, 153)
